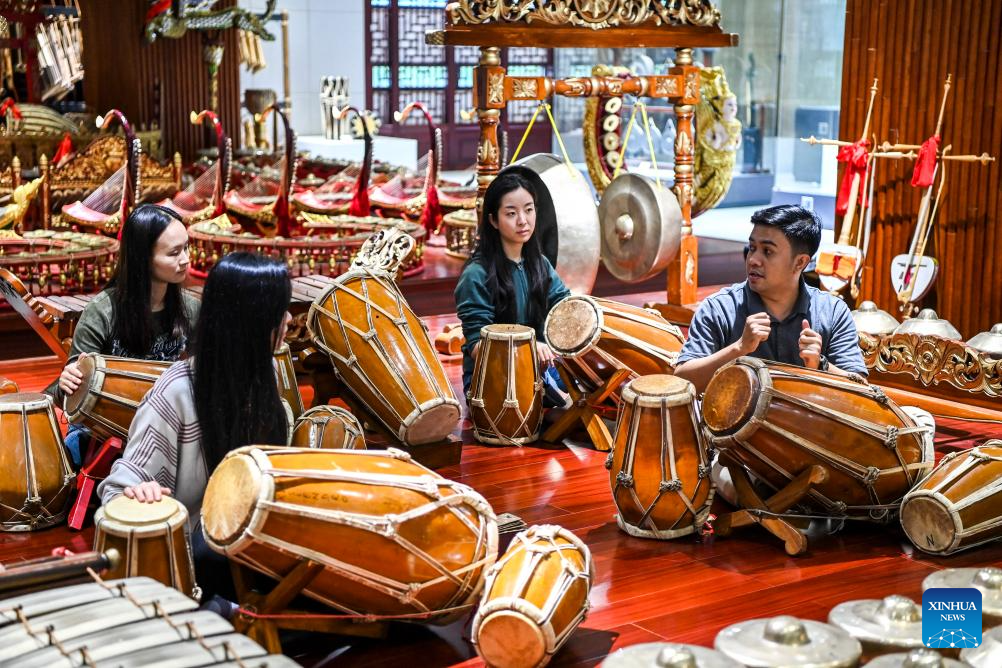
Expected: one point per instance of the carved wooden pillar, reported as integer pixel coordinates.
(682, 273)
(489, 98)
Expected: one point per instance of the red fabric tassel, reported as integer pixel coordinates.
(157, 9)
(925, 165)
(431, 216)
(360, 202)
(857, 159)
(9, 104)
(64, 150)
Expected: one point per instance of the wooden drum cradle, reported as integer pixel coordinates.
(393, 537)
(152, 539)
(506, 391)
(380, 349)
(959, 504)
(658, 467)
(778, 420)
(34, 464)
(535, 596)
(110, 392)
(328, 427)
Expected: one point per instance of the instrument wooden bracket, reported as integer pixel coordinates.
(586, 409)
(795, 542)
(276, 602)
(33, 312)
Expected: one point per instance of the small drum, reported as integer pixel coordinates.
(535, 596)
(658, 467)
(330, 427)
(460, 233)
(959, 505)
(110, 392)
(788, 641)
(381, 350)
(506, 392)
(394, 537)
(152, 539)
(597, 337)
(35, 469)
(778, 420)
(288, 387)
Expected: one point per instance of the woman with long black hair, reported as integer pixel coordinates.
(222, 397)
(143, 312)
(508, 279)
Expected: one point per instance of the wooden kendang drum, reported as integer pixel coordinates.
(288, 387)
(959, 505)
(328, 427)
(380, 349)
(778, 420)
(35, 467)
(535, 596)
(152, 539)
(110, 392)
(597, 337)
(658, 467)
(392, 536)
(506, 391)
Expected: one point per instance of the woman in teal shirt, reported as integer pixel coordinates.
(508, 280)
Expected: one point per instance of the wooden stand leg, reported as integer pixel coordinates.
(795, 542)
(586, 410)
(265, 631)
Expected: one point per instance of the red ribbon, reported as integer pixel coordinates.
(157, 9)
(65, 149)
(925, 165)
(9, 104)
(431, 216)
(857, 160)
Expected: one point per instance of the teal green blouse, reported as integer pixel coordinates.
(475, 309)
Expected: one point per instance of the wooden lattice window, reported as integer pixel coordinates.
(401, 68)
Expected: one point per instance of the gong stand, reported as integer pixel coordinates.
(569, 23)
(264, 631)
(587, 409)
(795, 542)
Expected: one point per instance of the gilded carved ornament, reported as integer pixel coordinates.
(594, 14)
(524, 88)
(932, 360)
(495, 88)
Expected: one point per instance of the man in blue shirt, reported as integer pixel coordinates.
(773, 314)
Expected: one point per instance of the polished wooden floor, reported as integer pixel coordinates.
(644, 590)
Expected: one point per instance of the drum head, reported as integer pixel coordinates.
(730, 398)
(572, 326)
(75, 401)
(130, 511)
(230, 498)
(641, 227)
(22, 398)
(928, 523)
(660, 385)
(508, 638)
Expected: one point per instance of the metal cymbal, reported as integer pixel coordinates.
(892, 623)
(990, 652)
(788, 641)
(928, 323)
(641, 227)
(667, 655)
(916, 658)
(872, 320)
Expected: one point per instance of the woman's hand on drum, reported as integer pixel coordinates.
(147, 492)
(545, 355)
(72, 376)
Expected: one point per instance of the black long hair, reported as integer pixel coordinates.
(236, 394)
(129, 289)
(490, 254)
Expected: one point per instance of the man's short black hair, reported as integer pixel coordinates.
(802, 228)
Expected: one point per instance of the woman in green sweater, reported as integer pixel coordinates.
(508, 280)
(142, 313)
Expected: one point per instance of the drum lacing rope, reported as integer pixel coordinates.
(511, 398)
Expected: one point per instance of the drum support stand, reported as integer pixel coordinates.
(97, 468)
(587, 409)
(795, 541)
(265, 631)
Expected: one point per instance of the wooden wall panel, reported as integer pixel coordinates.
(910, 46)
(122, 70)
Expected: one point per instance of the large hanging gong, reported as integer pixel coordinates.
(641, 227)
(566, 219)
